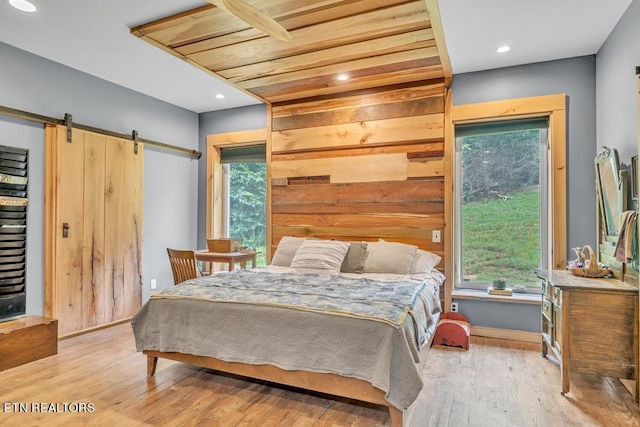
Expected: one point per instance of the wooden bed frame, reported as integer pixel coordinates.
(336, 385)
(333, 384)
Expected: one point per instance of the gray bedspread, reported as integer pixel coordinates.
(384, 354)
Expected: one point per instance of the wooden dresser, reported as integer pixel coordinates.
(590, 325)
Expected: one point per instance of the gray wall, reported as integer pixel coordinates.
(617, 86)
(23, 134)
(223, 121)
(575, 77)
(32, 83)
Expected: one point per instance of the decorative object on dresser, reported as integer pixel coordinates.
(586, 264)
(590, 325)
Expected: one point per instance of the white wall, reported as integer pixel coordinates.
(32, 83)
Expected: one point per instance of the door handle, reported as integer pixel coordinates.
(65, 230)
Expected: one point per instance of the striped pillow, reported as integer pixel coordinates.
(320, 255)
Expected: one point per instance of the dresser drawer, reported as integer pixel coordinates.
(547, 328)
(547, 309)
(547, 290)
(557, 297)
(557, 323)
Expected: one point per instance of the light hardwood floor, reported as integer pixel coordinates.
(495, 383)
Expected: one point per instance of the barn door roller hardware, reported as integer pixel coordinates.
(134, 136)
(637, 71)
(68, 121)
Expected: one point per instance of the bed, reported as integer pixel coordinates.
(348, 331)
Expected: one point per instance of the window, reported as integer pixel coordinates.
(502, 203)
(245, 196)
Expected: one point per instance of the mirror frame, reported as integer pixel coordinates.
(611, 190)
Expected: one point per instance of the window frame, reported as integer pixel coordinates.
(215, 209)
(554, 108)
(545, 148)
(226, 205)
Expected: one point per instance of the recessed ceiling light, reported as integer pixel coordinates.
(503, 49)
(22, 5)
(343, 77)
(220, 96)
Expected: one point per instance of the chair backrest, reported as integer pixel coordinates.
(183, 265)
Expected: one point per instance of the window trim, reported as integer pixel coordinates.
(554, 108)
(214, 222)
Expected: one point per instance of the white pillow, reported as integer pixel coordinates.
(320, 255)
(389, 257)
(424, 262)
(285, 251)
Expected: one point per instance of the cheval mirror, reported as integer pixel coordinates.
(611, 191)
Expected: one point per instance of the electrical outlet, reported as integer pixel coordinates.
(454, 307)
(435, 236)
(153, 283)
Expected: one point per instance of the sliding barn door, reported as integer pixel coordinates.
(94, 229)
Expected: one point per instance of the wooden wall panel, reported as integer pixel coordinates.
(368, 168)
(380, 193)
(359, 220)
(374, 98)
(69, 250)
(360, 166)
(436, 148)
(132, 231)
(93, 277)
(425, 168)
(353, 135)
(114, 220)
(418, 107)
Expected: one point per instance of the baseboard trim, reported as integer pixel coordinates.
(93, 329)
(506, 334)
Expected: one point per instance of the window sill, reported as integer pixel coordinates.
(516, 298)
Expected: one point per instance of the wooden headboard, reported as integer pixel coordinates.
(362, 166)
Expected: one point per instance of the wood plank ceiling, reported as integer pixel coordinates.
(375, 42)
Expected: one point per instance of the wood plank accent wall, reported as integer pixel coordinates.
(93, 277)
(360, 166)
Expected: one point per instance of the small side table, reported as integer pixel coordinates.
(229, 258)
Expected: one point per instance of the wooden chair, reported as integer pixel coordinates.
(183, 265)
